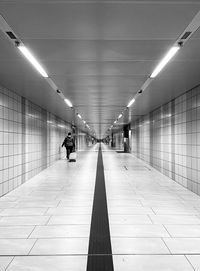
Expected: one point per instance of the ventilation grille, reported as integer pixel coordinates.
(186, 35)
(11, 35)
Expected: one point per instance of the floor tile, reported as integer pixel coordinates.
(50, 263)
(25, 211)
(16, 231)
(70, 219)
(175, 211)
(7, 204)
(15, 246)
(129, 219)
(183, 245)
(129, 210)
(183, 230)
(76, 203)
(38, 204)
(174, 219)
(159, 203)
(151, 263)
(69, 211)
(138, 231)
(23, 220)
(61, 231)
(139, 246)
(8, 197)
(61, 246)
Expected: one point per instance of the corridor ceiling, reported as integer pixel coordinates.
(99, 53)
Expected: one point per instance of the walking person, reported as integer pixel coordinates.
(69, 144)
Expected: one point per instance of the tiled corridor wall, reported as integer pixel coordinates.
(169, 139)
(30, 139)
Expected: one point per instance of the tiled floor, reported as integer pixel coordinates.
(45, 224)
(154, 222)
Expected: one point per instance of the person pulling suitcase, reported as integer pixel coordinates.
(69, 145)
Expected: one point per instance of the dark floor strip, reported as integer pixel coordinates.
(100, 251)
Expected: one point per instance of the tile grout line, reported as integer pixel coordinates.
(167, 230)
(97, 255)
(31, 232)
(47, 222)
(189, 262)
(32, 247)
(166, 245)
(45, 212)
(9, 263)
(153, 210)
(149, 216)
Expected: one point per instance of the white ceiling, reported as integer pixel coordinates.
(99, 53)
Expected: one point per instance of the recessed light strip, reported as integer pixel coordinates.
(170, 54)
(68, 103)
(29, 56)
(131, 102)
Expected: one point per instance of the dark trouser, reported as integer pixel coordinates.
(69, 149)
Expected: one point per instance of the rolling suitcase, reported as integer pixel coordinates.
(72, 157)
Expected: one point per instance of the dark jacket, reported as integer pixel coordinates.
(68, 142)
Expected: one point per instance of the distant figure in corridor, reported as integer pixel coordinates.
(69, 144)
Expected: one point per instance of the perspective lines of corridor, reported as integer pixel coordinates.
(109, 205)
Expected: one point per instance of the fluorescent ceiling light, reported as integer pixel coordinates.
(120, 116)
(84, 121)
(131, 102)
(79, 116)
(115, 121)
(68, 103)
(32, 60)
(164, 61)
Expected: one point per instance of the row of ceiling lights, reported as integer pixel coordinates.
(156, 71)
(41, 70)
(183, 38)
(29, 56)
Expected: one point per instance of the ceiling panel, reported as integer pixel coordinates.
(98, 20)
(97, 50)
